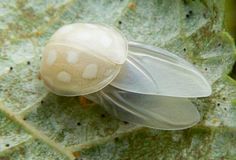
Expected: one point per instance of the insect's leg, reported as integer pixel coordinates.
(85, 103)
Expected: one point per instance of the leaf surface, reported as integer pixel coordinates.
(35, 124)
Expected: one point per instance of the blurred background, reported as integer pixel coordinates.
(230, 19)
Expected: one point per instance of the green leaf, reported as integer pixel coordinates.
(229, 22)
(35, 124)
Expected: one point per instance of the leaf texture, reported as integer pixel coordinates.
(35, 124)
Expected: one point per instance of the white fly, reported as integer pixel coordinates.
(138, 83)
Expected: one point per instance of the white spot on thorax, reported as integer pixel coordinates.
(90, 71)
(72, 57)
(64, 76)
(52, 56)
(106, 40)
(84, 35)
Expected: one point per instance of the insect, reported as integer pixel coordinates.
(135, 82)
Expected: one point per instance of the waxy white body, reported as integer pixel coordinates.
(80, 59)
(137, 83)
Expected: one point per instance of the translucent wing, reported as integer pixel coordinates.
(167, 113)
(151, 70)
